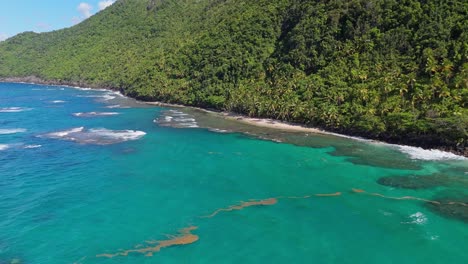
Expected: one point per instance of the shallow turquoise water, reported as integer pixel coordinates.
(69, 198)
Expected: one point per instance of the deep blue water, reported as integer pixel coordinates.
(85, 173)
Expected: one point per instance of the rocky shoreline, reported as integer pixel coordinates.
(415, 141)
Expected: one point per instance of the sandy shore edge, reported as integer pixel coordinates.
(260, 122)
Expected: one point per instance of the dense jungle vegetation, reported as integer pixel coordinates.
(385, 69)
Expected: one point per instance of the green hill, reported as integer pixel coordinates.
(385, 69)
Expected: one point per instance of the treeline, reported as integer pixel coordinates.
(385, 69)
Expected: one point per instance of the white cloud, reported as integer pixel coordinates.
(85, 9)
(3, 36)
(104, 4)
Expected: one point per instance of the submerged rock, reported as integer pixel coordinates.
(423, 181)
(413, 181)
(455, 208)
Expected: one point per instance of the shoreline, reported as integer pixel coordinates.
(259, 122)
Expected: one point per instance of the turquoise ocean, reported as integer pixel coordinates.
(89, 176)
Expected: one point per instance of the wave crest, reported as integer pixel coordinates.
(4, 147)
(14, 109)
(178, 119)
(97, 136)
(32, 146)
(7, 131)
(95, 114)
(428, 154)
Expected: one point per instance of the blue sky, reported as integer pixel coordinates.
(44, 15)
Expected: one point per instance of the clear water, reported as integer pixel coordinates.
(71, 197)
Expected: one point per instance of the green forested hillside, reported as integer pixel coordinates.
(386, 69)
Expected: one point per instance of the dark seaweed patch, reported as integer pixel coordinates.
(413, 181)
(451, 208)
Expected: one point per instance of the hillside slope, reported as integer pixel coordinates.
(384, 69)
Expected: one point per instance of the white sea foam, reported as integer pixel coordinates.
(97, 136)
(217, 130)
(189, 125)
(182, 120)
(117, 93)
(424, 154)
(58, 102)
(88, 89)
(418, 218)
(61, 134)
(80, 88)
(14, 109)
(7, 131)
(175, 118)
(118, 134)
(95, 114)
(102, 97)
(415, 153)
(32, 146)
(107, 97)
(4, 147)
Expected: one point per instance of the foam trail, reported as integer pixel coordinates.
(116, 106)
(95, 114)
(118, 134)
(217, 130)
(177, 119)
(32, 146)
(184, 237)
(58, 102)
(7, 131)
(107, 97)
(14, 109)
(88, 89)
(65, 133)
(97, 136)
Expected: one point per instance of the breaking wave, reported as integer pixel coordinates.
(178, 119)
(425, 154)
(116, 106)
(98, 136)
(88, 89)
(107, 96)
(4, 147)
(32, 146)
